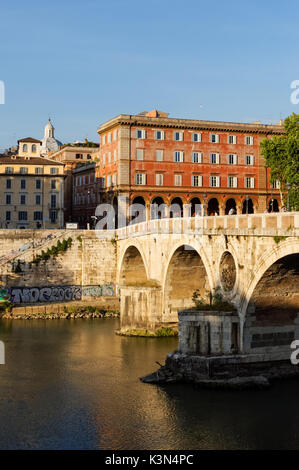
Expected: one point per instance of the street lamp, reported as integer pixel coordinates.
(288, 186)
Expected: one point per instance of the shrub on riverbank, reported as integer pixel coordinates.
(160, 333)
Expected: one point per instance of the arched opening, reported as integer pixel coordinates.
(230, 207)
(213, 207)
(25, 148)
(272, 320)
(138, 211)
(247, 206)
(185, 274)
(176, 208)
(195, 207)
(132, 271)
(158, 208)
(273, 205)
(115, 208)
(227, 271)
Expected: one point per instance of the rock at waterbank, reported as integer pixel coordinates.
(166, 376)
(59, 316)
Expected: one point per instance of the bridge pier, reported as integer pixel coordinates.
(140, 308)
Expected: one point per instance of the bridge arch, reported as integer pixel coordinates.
(186, 270)
(132, 265)
(269, 258)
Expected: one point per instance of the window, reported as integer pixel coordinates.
(232, 139)
(109, 138)
(109, 180)
(159, 179)
(140, 178)
(38, 184)
(159, 155)
(23, 170)
(104, 160)
(214, 181)
(196, 180)
(23, 199)
(139, 154)
(249, 160)
(9, 170)
(179, 136)
(109, 157)
(159, 135)
(33, 148)
(23, 184)
(249, 181)
(178, 180)
(115, 134)
(104, 140)
(53, 216)
(38, 215)
(8, 199)
(140, 134)
(53, 201)
(38, 170)
(215, 158)
(88, 156)
(78, 156)
(114, 156)
(8, 215)
(232, 182)
(275, 184)
(22, 215)
(196, 137)
(114, 179)
(54, 171)
(53, 184)
(214, 138)
(103, 182)
(178, 156)
(232, 159)
(8, 184)
(248, 140)
(25, 148)
(197, 157)
(38, 199)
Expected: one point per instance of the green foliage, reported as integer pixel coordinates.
(216, 301)
(5, 307)
(282, 156)
(160, 333)
(278, 239)
(54, 251)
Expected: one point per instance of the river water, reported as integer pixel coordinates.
(75, 385)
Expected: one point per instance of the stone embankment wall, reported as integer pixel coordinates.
(85, 270)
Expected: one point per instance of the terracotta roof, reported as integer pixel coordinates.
(30, 139)
(16, 159)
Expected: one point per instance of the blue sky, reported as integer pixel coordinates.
(83, 62)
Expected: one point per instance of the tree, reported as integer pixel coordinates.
(282, 156)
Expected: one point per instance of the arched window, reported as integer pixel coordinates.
(33, 148)
(25, 148)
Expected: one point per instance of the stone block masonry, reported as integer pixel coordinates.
(86, 270)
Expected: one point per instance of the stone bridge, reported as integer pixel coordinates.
(251, 259)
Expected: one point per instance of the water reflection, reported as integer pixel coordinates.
(75, 385)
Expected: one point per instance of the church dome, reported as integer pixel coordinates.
(49, 143)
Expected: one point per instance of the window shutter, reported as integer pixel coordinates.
(217, 158)
(235, 181)
(217, 181)
(252, 182)
(143, 179)
(162, 135)
(200, 180)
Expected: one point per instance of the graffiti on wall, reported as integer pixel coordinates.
(107, 290)
(23, 295)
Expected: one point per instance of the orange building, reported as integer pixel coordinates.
(150, 158)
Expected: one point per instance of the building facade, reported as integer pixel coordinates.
(72, 156)
(86, 195)
(153, 159)
(32, 192)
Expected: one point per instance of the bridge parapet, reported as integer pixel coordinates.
(280, 224)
